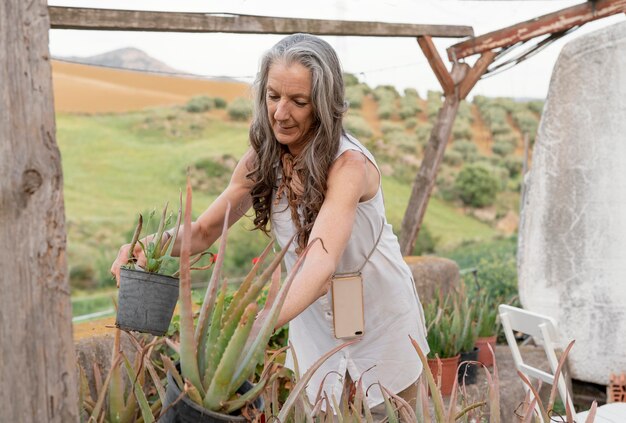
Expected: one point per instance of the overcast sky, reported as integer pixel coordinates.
(396, 61)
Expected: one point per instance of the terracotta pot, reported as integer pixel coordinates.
(448, 372)
(484, 355)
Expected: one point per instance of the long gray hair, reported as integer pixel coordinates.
(329, 106)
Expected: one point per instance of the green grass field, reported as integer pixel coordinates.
(117, 165)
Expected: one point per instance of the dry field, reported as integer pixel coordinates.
(92, 89)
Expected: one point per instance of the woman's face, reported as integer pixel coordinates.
(288, 99)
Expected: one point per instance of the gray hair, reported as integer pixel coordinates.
(329, 106)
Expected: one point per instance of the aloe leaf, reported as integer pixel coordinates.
(192, 393)
(542, 409)
(219, 390)
(391, 412)
(337, 408)
(299, 388)
(144, 406)
(264, 325)
(403, 405)
(155, 378)
(133, 242)
(169, 245)
(116, 387)
(434, 390)
(249, 396)
(494, 390)
(188, 346)
(557, 374)
(102, 395)
(247, 282)
(211, 293)
(171, 368)
(211, 353)
(592, 412)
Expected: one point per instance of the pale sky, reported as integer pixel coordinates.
(376, 61)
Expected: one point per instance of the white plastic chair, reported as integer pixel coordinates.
(543, 330)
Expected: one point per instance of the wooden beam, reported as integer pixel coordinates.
(475, 73)
(551, 23)
(437, 65)
(426, 175)
(38, 364)
(134, 20)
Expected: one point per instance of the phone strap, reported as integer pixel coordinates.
(358, 271)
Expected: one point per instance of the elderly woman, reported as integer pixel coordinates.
(304, 175)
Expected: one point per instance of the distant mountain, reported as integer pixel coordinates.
(127, 58)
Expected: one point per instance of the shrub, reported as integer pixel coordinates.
(354, 96)
(357, 126)
(350, 79)
(388, 126)
(220, 103)
(409, 105)
(426, 242)
(461, 129)
(411, 92)
(476, 186)
(198, 104)
(466, 148)
(406, 143)
(536, 106)
(514, 165)
(502, 148)
(452, 158)
(385, 91)
(410, 123)
(240, 109)
(385, 110)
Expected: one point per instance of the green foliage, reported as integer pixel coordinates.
(426, 242)
(433, 104)
(445, 328)
(514, 165)
(466, 149)
(220, 103)
(452, 157)
(388, 127)
(476, 186)
(200, 103)
(502, 148)
(355, 95)
(349, 79)
(461, 129)
(409, 104)
(358, 126)
(536, 106)
(410, 123)
(240, 109)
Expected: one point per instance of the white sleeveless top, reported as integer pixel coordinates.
(391, 306)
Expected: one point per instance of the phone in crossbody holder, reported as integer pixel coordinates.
(348, 313)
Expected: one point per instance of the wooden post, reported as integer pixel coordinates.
(37, 360)
(425, 179)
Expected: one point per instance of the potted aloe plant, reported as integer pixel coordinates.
(487, 327)
(220, 352)
(469, 351)
(445, 340)
(147, 297)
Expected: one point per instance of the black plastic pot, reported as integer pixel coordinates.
(187, 411)
(467, 371)
(146, 301)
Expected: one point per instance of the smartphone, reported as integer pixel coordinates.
(348, 317)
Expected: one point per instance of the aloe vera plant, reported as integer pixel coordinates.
(221, 351)
(117, 401)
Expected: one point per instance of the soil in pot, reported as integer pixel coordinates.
(448, 372)
(146, 301)
(484, 355)
(187, 411)
(467, 370)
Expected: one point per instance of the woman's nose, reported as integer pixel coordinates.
(282, 111)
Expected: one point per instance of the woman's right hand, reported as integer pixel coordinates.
(122, 259)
